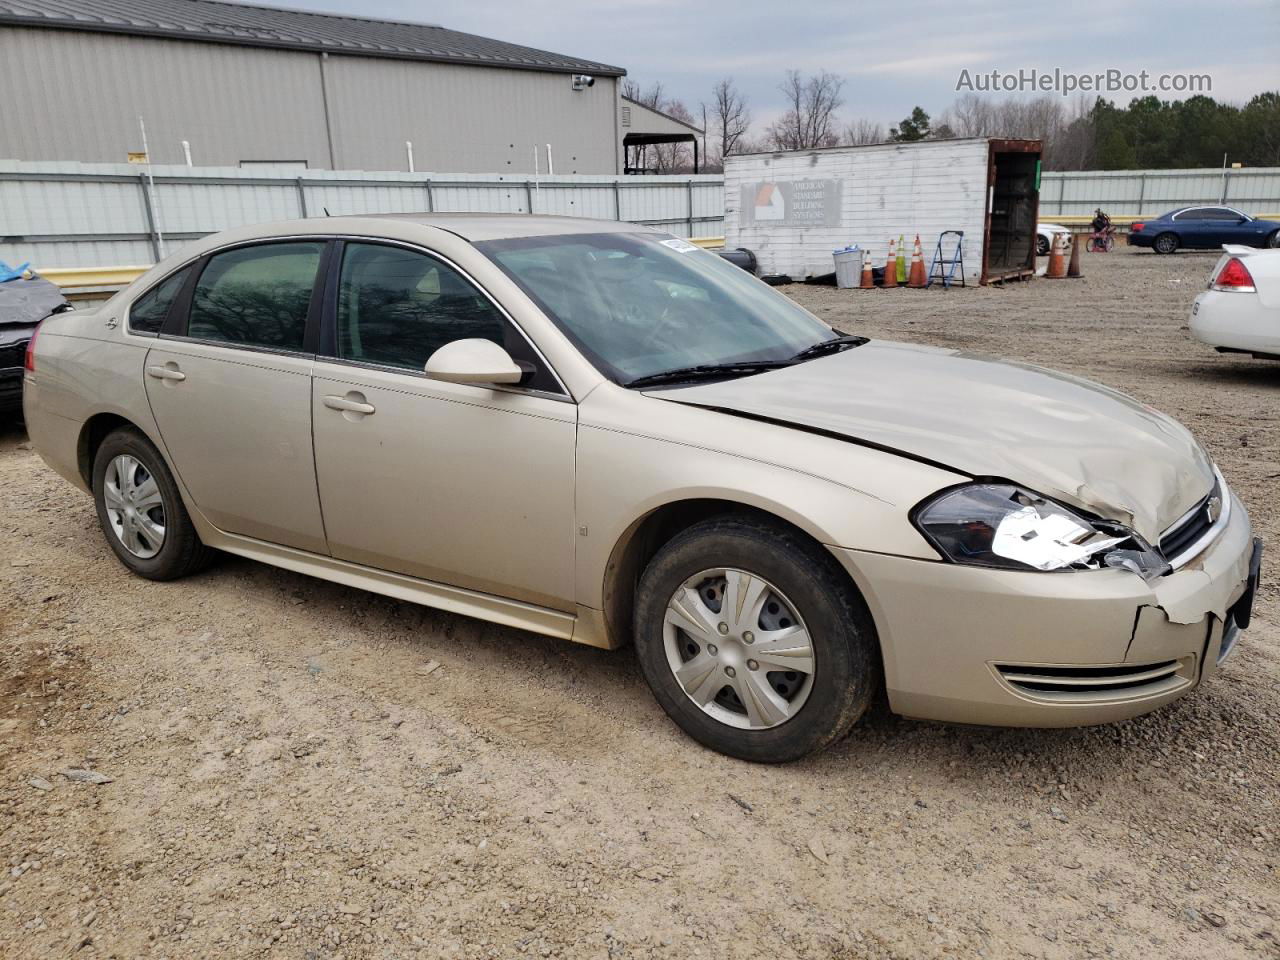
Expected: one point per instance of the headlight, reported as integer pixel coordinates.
(1001, 525)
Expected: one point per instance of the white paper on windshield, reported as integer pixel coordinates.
(678, 245)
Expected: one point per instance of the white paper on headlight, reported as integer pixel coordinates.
(1046, 543)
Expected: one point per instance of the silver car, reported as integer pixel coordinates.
(602, 433)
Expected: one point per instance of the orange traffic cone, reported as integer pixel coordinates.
(868, 281)
(1057, 265)
(916, 280)
(891, 268)
(1073, 268)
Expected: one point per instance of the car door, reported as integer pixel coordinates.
(463, 484)
(229, 382)
(1194, 228)
(1221, 225)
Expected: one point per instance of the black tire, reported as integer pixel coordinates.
(1042, 246)
(1273, 241)
(847, 667)
(182, 553)
(1165, 243)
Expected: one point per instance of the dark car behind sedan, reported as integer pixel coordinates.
(24, 302)
(1204, 228)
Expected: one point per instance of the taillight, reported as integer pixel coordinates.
(29, 358)
(1137, 227)
(1234, 277)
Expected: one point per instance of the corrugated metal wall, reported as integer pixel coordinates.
(1152, 192)
(90, 215)
(886, 190)
(77, 96)
(467, 118)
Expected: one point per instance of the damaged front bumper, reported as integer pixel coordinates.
(968, 644)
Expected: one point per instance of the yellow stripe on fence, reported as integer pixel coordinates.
(72, 278)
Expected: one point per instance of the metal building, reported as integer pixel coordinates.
(244, 85)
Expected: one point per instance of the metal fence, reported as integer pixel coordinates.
(81, 215)
(1129, 193)
(94, 215)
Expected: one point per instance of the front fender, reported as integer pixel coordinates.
(637, 454)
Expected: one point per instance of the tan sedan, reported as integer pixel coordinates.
(598, 432)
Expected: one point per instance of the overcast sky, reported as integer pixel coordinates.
(892, 56)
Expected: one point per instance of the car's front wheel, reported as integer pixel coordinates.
(141, 511)
(1042, 246)
(754, 641)
(1165, 243)
(1273, 241)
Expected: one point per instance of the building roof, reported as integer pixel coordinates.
(216, 21)
(647, 119)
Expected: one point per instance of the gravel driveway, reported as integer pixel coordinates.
(299, 769)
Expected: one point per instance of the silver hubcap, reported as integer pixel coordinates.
(738, 649)
(134, 506)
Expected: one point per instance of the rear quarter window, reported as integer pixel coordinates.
(148, 313)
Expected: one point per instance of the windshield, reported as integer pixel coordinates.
(641, 304)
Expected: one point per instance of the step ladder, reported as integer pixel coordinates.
(944, 267)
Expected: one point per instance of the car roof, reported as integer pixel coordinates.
(1197, 206)
(502, 226)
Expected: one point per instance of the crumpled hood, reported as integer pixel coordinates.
(1059, 435)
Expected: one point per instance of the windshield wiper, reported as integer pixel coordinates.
(824, 347)
(707, 371)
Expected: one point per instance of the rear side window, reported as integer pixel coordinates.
(149, 311)
(256, 296)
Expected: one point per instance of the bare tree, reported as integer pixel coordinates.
(730, 120)
(1066, 130)
(861, 132)
(811, 107)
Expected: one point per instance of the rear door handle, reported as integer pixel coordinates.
(166, 373)
(348, 405)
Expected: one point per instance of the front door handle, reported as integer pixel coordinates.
(166, 373)
(349, 404)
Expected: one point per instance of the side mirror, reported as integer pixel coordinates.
(473, 361)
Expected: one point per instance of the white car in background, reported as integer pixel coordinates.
(1240, 312)
(1044, 236)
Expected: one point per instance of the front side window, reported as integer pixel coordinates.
(639, 304)
(148, 312)
(397, 307)
(256, 296)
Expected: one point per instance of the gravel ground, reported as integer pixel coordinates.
(290, 777)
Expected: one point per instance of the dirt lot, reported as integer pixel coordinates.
(288, 780)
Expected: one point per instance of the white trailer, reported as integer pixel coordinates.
(793, 209)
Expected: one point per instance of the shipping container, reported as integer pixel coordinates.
(793, 209)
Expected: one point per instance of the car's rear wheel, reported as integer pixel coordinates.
(754, 641)
(141, 511)
(1165, 243)
(1042, 246)
(1273, 241)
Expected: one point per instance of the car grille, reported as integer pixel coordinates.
(1097, 684)
(1193, 526)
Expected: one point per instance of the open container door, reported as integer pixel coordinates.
(1013, 205)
